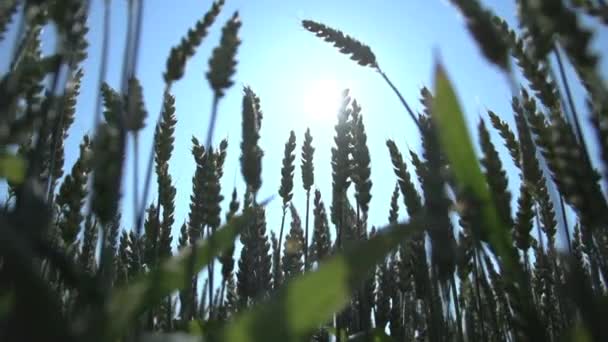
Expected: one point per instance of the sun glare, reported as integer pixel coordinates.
(322, 100)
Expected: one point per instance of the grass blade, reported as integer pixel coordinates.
(451, 125)
(128, 302)
(309, 300)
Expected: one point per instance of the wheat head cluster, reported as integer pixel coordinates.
(472, 261)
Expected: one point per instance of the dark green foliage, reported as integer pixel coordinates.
(359, 52)
(285, 191)
(6, 14)
(479, 23)
(108, 155)
(176, 63)
(277, 269)
(308, 179)
(507, 135)
(536, 73)
(572, 172)
(134, 106)
(222, 63)
(70, 17)
(384, 292)
(321, 241)
(436, 202)
(523, 220)
(361, 167)
(394, 211)
(163, 148)
(152, 232)
(89, 246)
(211, 192)
(251, 153)
(67, 265)
(341, 168)
(196, 215)
(496, 175)
(308, 176)
(411, 198)
(61, 125)
(227, 259)
(293, 253)
(72, 193)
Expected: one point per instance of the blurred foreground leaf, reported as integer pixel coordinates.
(458, 148)
(12, 168)
(127, 303)
(306, 302)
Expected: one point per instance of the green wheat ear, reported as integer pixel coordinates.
(176, 63)
(108, 159)
(285, 191)
(480, 25)
(7, 10)
(348, 45)
(222, 63)
(307, 166)
(251, 153)
(135, 106)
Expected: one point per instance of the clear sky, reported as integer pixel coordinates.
(298, 77)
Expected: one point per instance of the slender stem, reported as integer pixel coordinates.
(105, 43)
(407, 107)
(212, 121)
(210, 131)
(136, 179)
(210, 270)
(142, 208)
(478, 294)
(565, 219)
(36, 158)
(221, 299)
(137, 38)
(306, 231)
(457, 308)
(339, 246)
(126, 73)
(54, 143)
(570, 100)
(281, 231)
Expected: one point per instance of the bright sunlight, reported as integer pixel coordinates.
(322, 99)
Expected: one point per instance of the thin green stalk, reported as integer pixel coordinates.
(281, 231)
(212, 120)
(136, 178)
(573, 111)
(306, 231)
(456, 308)
(210, 271)
(105, 43)
(339, 316)
(142, 209)
(407, 107)
(478, 294)
(565, 220)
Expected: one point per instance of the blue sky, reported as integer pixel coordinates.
(288, 67)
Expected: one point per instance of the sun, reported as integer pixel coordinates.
(322, 99)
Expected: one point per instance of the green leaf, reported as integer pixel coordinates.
(309, 300)
(458, 148)
(12, 168)
(127, 303)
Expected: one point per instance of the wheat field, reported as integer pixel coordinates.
(473, 260)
